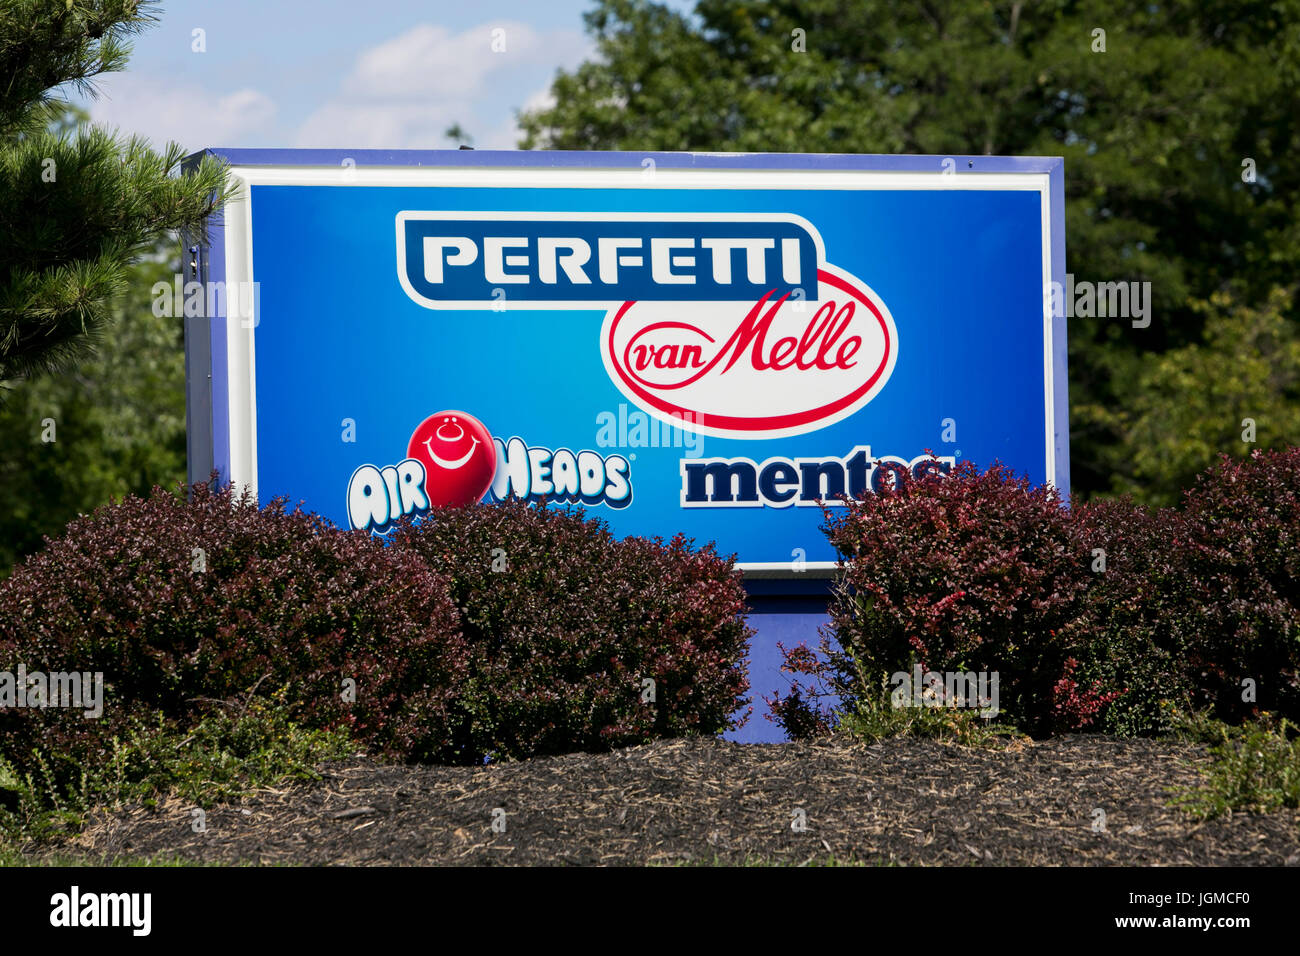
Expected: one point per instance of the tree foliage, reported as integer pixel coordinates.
(78, 204)
(1238, 390)
(117, 423)
(1155, 107)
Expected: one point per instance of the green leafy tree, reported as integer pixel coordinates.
(114, 425)
(1237, 391)
(77, 204)
(1178, 122)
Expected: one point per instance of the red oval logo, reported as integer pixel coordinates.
(781, 366)
(458, 455)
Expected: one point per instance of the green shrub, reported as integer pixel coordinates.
(1110, 616)
(968, 571)
(1139, 624)
(1192, 604)
(230, 751)
(1255, 768)
(566, 626)
(1245, 534)
(875, 717)
(176, 601)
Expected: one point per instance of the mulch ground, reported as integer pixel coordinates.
(901, 801)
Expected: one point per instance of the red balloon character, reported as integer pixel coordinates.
(458, 455)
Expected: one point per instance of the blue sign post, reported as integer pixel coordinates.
(707, 343)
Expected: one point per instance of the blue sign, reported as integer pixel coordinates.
(703, 343)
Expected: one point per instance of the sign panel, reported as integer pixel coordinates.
(708, 343)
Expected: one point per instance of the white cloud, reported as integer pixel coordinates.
(431, 61)
(543, 99)
(408, 90)
(508, 134)
(351, 124)
(157, 109)
(403, 92)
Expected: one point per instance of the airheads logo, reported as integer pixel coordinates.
(735, 323)
(452, 459)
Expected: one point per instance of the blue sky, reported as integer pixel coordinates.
(343, 73)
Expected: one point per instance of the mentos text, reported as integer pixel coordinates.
(474, 260)
(782, 482)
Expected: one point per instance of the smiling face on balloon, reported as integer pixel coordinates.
(458, 455)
